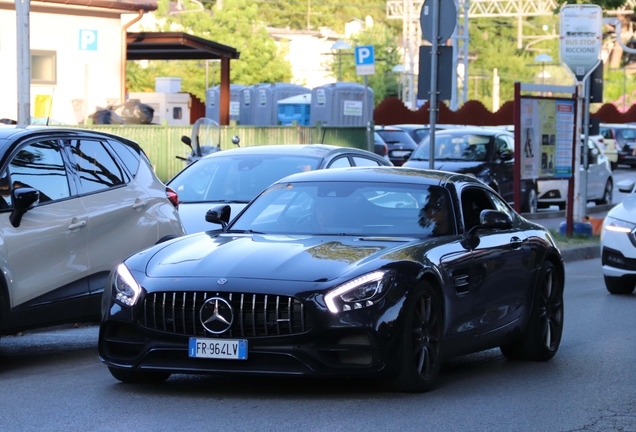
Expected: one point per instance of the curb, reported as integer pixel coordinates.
(579, 253)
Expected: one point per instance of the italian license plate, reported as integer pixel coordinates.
(230, 349)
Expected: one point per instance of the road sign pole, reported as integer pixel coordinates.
(433, 94)
(23, 8)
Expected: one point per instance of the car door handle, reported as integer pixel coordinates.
(516, 242)
(139, 204)
(76, 225)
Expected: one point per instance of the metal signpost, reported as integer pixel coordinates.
(365, 65)
(580, 49)
(438, 20)
(23, 8)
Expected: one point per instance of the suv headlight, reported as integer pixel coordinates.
(127, 289)
(618, 225)
(358, 293)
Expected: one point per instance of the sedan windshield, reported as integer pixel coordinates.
(237, 178)
(456, 145)
(356, 208)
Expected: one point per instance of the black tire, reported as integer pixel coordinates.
(421, 341)
(531, 203)
(561, 206)
(138, 376)
(607, 193)
(545, 326)
(613, 165)
(619, 286)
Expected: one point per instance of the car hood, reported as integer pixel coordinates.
(275, 257)
(193, 215)
(625, 211)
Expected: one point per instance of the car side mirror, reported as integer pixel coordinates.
(494, 219)
(23, 199)
(219, 215)
(626, 186)
(506, 156)
(186, 140)
(236, 140)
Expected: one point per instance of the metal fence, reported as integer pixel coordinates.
(163, 143)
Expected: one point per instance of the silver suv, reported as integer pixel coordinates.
(74, 203)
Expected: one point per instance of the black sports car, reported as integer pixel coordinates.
(381, 272)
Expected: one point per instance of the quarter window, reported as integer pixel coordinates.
(96, 167)
(342, 162)
(40, 166)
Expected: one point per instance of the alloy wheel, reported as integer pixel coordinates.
(426, 335)
(551, 312)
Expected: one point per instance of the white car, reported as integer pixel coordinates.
(618, 243)
(600, 183)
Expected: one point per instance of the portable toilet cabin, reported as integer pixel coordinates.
(295, 109)
(213, 99)
(265, 99)
(341, 104)
(246, 116)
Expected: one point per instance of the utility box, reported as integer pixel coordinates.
(213, 99)
(264, 101)
(295, 109)
(341, 104)
(173, 108)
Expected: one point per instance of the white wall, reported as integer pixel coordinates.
(60, 33)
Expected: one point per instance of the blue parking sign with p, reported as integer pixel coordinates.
(365, 60)
(88, 40)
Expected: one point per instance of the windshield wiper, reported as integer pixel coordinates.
(247, 231)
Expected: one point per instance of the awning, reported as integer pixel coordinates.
(176, 46)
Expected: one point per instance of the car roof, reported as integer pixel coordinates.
(383, 174)
(315, 150)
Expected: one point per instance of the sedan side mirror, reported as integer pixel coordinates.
(186, 140)
(23, 199)
(494, 219)
(219, 215)
(506, 156)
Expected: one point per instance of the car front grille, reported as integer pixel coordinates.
(255, 315)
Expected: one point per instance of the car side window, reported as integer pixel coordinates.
(607, 133)
(474, 200)
(362, 161)
(341, 162)
(39, 166)
(500, 204)
(129, 156)
(501, 146)
(95, 166)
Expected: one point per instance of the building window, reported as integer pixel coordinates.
(177, 113)
(43, 67)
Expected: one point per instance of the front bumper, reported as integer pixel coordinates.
(356, 343)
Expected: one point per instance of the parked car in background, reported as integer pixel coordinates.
(487, 154)
(399, 142)
(600, 183)
(74, 204)
(358, 272)
(380, 147)
(419, 132)
(619, 140)
(618, 243)
(236, 176)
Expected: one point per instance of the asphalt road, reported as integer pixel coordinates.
(53, 381)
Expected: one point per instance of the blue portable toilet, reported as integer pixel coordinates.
(266, 97)
(213, 98)
(246, 116)
(341, 104)
(296, 108)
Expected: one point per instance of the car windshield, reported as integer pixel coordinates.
(626, 135)
(355, 208)
(457, 145)
(236, 178)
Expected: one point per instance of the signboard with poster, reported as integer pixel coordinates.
(547, 132)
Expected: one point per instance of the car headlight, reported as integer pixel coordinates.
(127, 289)
(617, 225)
(357, 293)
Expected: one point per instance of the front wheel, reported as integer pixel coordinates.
(138, 376)
(532, 202)
(545, 326)
(421, 341)
(619, 286)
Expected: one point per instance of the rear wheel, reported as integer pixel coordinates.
(421, 341)
(619, 286)
(545, 327)
(607, 194)
(138, 376)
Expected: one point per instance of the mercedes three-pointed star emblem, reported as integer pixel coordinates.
(216, 315)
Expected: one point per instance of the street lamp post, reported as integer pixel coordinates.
(339, 46)
(543, 59)
(399, 69)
